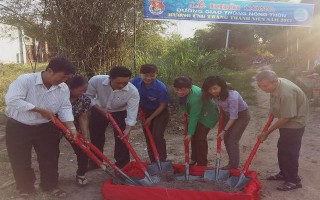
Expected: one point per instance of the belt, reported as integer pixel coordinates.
(20, 123)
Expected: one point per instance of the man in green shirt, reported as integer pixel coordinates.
(289, 104)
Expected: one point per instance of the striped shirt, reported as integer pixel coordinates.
(100, 90)
(28, 92)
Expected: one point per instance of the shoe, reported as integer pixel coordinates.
(277, 177)
(286, 186)
(58, 193)
(192, 162)
(81, 180)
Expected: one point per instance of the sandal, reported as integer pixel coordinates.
(81, 180)
(23, 196)
(286, 186)
(277, 177)
(57, 192)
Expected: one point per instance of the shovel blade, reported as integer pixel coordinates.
(146, 181)
(212, 175)
(238, 182)
(167, 168)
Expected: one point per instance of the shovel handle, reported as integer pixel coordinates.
(87, 146)
(76, 141)
(220, 128)
(256, 146)
(125, 141)
(149, 134)
(98, 152)
(186, 142)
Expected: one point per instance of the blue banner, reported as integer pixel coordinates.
(235, 12)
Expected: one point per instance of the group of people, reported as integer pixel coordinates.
(34, 99)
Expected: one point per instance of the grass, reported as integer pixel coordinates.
(8, 73)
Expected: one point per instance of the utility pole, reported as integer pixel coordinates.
(134, 38)
(227, 38)
(21, 45)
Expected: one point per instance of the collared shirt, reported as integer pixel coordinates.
(28, 92)
(205, 113)
(100, 90)
(289, 101)
(152, 96)
(233, 104)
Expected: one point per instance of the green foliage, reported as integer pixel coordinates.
(95, 35)
(241, 37)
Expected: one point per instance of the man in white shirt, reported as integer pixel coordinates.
(119, 97)
(32, 100)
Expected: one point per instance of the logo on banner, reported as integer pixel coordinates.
(156, 7)
(301, 15)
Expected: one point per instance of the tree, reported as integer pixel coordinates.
(94, 34)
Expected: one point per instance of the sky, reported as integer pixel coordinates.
(187, 28)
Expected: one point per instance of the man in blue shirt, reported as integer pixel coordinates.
(154, 99)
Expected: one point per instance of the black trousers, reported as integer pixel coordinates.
(157, 128)
(44, 138)
(289, 145)
(199, 145)
(97, 126)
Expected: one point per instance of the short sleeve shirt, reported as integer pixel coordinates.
(289, 101)
(152, 96)
(233, 104)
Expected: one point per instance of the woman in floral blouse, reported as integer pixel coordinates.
(80, 106)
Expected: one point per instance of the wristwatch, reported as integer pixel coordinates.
(72, 128)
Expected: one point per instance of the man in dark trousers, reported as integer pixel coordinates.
(115, 94)
(32, 100)
(289, 104)
(154, 99)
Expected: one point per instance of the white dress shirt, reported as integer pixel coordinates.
(28, 92)
(127, 98)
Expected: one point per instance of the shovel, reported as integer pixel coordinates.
(107, 160)
(147, 180)
(218, 174)
(86, 147)
(160, 167)
(187, 175)
(240, 181)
